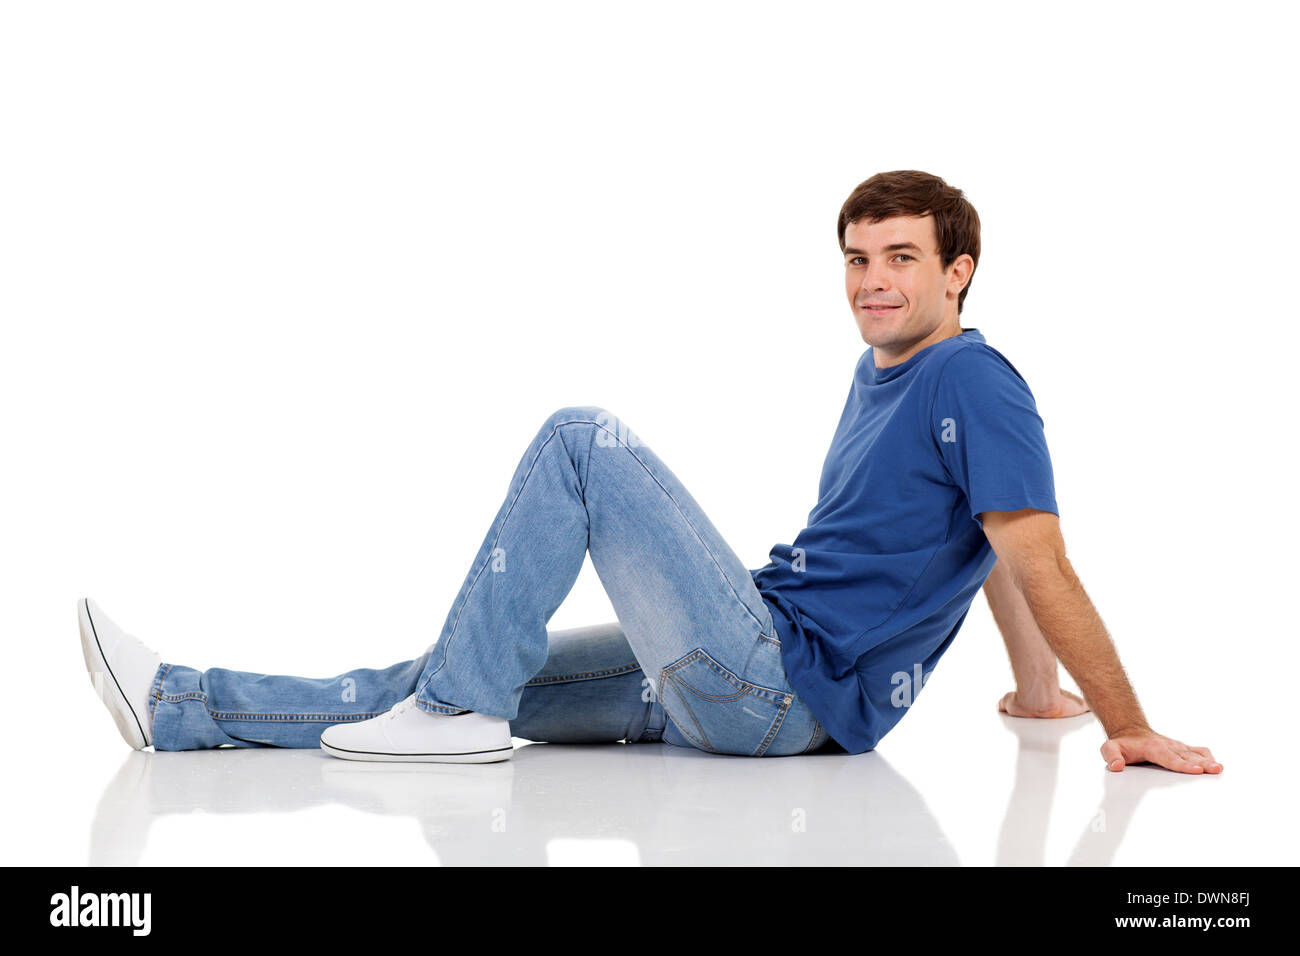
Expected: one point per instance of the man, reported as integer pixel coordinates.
(937, 482)
(911, 244)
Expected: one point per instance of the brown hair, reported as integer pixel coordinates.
(910, 192)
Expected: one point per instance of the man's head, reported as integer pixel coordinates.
(911, 243)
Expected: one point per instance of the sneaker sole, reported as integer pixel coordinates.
(473, 756)
(129, 723)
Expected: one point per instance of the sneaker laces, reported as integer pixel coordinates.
(401, 707)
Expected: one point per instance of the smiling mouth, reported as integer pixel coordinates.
(881, 308)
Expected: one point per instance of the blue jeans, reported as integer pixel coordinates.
(693, 660)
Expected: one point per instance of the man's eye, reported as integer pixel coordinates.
(856, 259)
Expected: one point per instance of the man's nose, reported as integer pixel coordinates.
(875, 278)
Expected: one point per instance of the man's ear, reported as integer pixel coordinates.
(961, 270)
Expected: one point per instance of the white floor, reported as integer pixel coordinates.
(952, 785)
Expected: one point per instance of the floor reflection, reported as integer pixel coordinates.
(651, 804)
(1022, 838)
(675, 805)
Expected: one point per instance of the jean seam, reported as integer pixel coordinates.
(671, 669)
(188, 695)
(812, 741)
(657, 735)
(702, 740)
(703, 543)
(155, 692)
(584, 675)
(288, 718)
(745, 688)
(266, 717)
(758, 690)
(510, 510)
(506, 517)
(440, 708)
(776, 726)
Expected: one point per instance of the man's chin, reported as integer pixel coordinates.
(874, 338)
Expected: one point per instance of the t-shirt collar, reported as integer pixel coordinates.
(878, 376)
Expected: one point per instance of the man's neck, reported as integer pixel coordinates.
(945, 331)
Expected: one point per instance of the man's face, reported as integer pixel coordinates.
(902, 299)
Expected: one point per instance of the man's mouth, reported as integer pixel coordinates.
(881, 308)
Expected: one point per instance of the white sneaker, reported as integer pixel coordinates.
(121, 670)
(408, 733)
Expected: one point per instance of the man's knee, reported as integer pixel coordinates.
(610, 429)
(577, 413)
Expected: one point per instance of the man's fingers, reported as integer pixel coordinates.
(1211, 765)
(1187, 759)
(1164, 751)
(1181, 764)
(1113, 755)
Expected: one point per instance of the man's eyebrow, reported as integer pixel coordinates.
(896, 247)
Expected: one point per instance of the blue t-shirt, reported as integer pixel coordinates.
(877, 585)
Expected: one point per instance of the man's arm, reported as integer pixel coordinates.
(1029, 545)
(1033, 662)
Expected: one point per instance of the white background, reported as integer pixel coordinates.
(286, 289)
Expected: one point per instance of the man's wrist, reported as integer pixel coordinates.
(1039, 694)
(1132, 730)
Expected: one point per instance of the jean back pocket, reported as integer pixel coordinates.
(718, 711)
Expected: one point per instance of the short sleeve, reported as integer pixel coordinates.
(989, 434)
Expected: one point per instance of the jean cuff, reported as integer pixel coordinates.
(155, 689)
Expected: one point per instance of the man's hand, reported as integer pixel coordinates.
(1060, 704)
(1029, 542)
(1139, 745)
